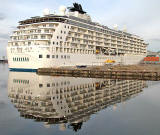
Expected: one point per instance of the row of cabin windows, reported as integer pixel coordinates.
(59, 37)
(55, 56)
(21, 81)
(55, 43)
(66, 26)
(71, 50)
(62, 32)
(20, 59)
(68, 88)
(55, 84)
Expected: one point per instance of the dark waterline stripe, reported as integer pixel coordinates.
(22, 70)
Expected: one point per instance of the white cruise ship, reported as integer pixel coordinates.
(70, 39)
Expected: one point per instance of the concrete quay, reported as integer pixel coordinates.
(130, 72)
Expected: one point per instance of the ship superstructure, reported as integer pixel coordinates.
(70, 39)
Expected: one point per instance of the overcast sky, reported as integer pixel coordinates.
(141, 17)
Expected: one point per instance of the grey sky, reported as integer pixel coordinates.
(141, 17)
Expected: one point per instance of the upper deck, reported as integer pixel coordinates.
(79, 22)
(51, 28)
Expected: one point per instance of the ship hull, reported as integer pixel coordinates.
(31, 61)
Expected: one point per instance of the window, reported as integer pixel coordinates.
(62, 56)
(46, 31)
(51, 25)
(52, 56)
(57, 56)
(61, 31)
(65, 56)
(48, 85)
(43, 36)
(40, 85)
(57, 43)
(57, 37)
(53, 43)
(40, 56)
(48, 56)
(35, 37)
(53, 84)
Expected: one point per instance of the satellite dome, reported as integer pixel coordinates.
(46, 11)
(115, 26)
(125, 28)
(62, 10)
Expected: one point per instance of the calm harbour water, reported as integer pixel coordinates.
(44, 105)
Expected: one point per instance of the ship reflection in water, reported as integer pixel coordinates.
(67, 101)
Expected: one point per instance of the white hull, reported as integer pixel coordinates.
(18, 60)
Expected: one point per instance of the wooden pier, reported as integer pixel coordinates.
(129, 73)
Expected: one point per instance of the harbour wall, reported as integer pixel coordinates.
(130, 72)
